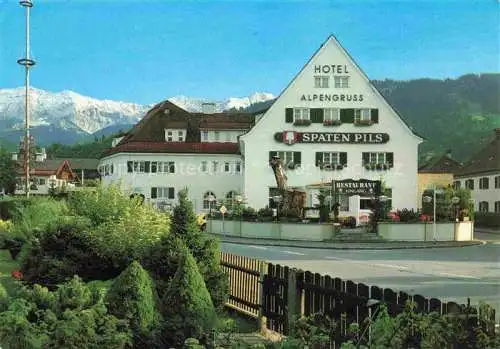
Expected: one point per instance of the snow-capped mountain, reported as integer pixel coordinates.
(68, 110)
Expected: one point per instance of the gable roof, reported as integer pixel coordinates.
(486, 160)
(333, 39)
(440, 164)
(148, 135)
(48, 167)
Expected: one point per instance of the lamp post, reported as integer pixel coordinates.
(239, 200)
(210, 199)
(434, 200)
(277, 199)
(27, 63)
(455, 201)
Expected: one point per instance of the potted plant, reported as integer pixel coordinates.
(363, 123)
(332, 123)
(302, 122)
(367, 166)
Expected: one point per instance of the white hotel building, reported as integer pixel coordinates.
(329, 123)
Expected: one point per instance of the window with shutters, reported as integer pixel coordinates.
(456, 184)
(237, 167)
(469, 184)
(286, 157)
(215, 165)
(204, 166)
(484, 183)
(483, 206)
(227, 167)
(497, 206)
(362, 115)
(321, 81)
(139, 166)
(163, 193)
(331, 158)
(165, 167)
(331, 114)
(377, 158)
(497, 182)
(341, 81)
(300, 114)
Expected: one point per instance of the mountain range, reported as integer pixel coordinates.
(457, 114)
(67, 117)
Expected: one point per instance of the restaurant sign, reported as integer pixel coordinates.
(292, 137)
(357, 187)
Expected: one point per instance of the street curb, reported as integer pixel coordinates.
(346, 245)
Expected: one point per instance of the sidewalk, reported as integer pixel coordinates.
(487, 230)
(343, 245)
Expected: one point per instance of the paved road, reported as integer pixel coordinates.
(444, 273)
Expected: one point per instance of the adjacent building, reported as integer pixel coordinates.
(329, 123)
(437, 171)
(481, 174)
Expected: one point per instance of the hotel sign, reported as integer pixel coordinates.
(292, 137)
(360, 187)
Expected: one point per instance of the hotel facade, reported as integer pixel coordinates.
(329, 123)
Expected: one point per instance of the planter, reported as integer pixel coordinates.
(332, 123)
(302, 122)
(363, 123)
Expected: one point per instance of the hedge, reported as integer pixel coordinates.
(487, 219)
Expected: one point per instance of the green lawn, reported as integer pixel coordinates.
(7, 266)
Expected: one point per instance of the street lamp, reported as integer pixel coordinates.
(210, 199)
(277, 199)
(239, 200)
(428, 199)
(455, 200)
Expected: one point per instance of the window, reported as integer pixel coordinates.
(331, 158)
(321, 81)
(457, 184)
(341, 81)
(180, 136)
(209, 200)
(42, 181)
(165, 167)
(300, 114)
(215, 164)
(139, 166)
(376, 158)
(162, 193)
(217, 136)
(169, 136)
(484, 183)
(344, 203)
(238, 167)
(286, 157)
(228, 136)
(365, 204)
(204, 136)
(332, 114)
(497, 206)
(469, 184)
(230, 199)
(227, 167)
(362, 115)
(204, 166)
(106, 170)
(497, 182)
(483, 206)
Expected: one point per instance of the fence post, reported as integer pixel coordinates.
(262, 320)
(294, 297)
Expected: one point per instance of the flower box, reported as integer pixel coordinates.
(331, 167)
(302, 122)
(332, 123)
(363, 123)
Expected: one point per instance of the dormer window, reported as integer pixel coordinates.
(180, 136)
(175, 135)
(217, 136)
(169, 136)
(204, 136)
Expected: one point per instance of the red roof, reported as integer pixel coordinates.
(175, 147)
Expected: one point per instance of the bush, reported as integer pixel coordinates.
(71, 317)
(187, 306)
(64, 250)
(4, 298)
(408, 216)
(487, 219)
(133, 297)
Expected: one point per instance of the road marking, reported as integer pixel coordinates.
(257, 247)
(391, 266)
(294, 253)
(459, 276)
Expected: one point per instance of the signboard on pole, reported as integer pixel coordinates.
(357, 187)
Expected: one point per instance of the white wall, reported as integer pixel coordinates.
(490, 195)
(402, 178)
(224, 136)
(187, 174)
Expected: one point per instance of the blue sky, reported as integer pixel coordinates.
(146, 51)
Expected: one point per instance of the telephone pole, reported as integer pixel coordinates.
(27, 63)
